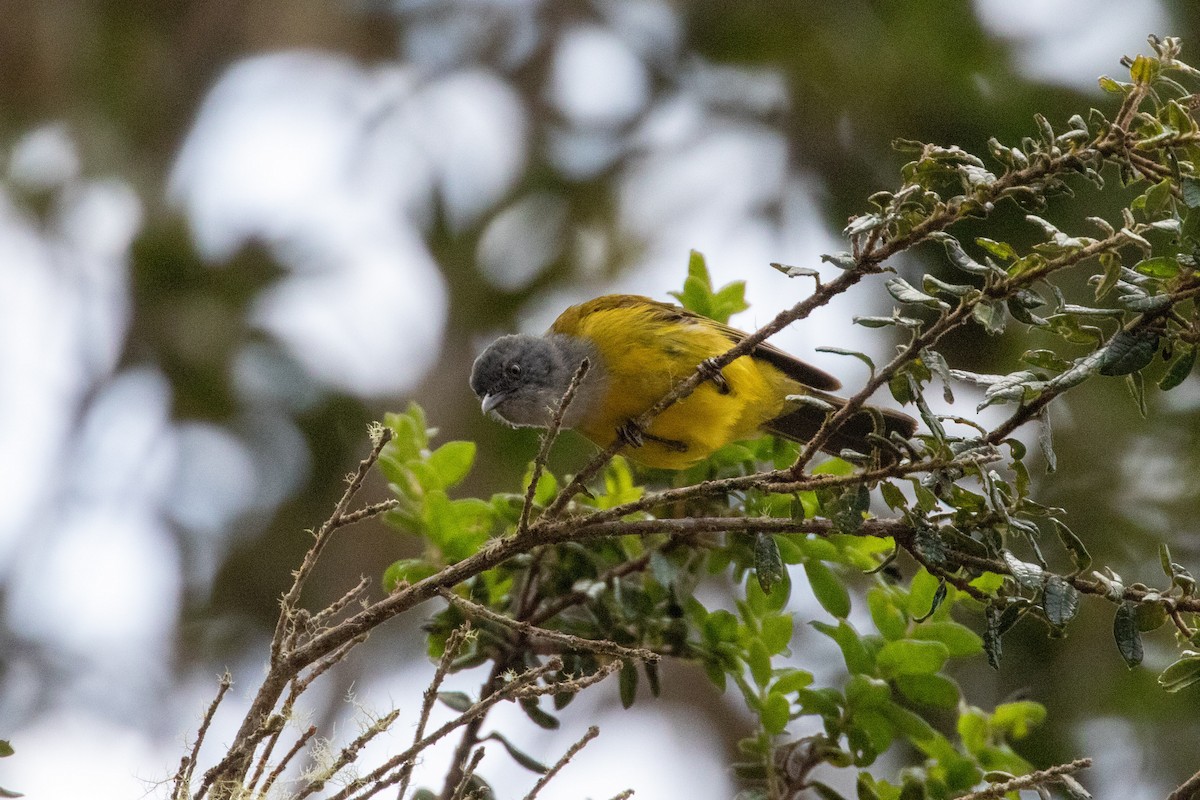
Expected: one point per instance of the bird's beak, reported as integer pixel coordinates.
(490, 401)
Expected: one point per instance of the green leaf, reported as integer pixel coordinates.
(838, 351)
(1164, 559)
(1144, 70)
(931, 690)
(959, 258)
(458, 528)
(1150, 616)
(988, 582)
(876, 727)
(627, 681)
(768, 565)
(1031, 576)
(459, 701)
(1073, 544)
(1128, 351)
(6, 748)
(1183, 673)
(883, 322)
(1136, 385)
(911, 657)
(921, 593)
(841, 260)
(1112, 273)
(959, 640)
(904, 292)
(863, 691)
(1016, 719)
(776, 632)
(932, 285)
(1046, 440)
(1125, 631)
(892, 495)
(828, 588)
(857, 657)
(759, 661)
(1158, 267)
(1178, 369)
(914, 728)
(652, 678)
(801, 272)
(698, 294)
(776, 712)
(889, 618)
(991, 314)
(720, 626)
(1190, 187)
(524, 759)
(729, 300)
(452, 461)
(539, 717)
(1060, 601)
(792, 680)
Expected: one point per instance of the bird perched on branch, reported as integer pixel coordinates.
(638, 349)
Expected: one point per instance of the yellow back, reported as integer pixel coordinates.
(647, 347)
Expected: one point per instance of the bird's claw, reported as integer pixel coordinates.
(711, 372)
(633, 436)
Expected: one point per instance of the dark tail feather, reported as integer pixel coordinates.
(802, 424)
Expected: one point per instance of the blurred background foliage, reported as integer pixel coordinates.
(235, 232)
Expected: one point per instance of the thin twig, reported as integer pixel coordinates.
(386, 774)
(241, 752)
(566, 639)
(349, 753)
(454, 643)
(322, 666)
(288, 756)
(1042, 776)
(569, 685)
(336, 519)
(1188, 790)
(325, 614)
(548, 437)
(373, 510)
(472, 765)
(592, 733)
(1186, 630)
(187, 766)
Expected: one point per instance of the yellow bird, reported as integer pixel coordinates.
(638, 349)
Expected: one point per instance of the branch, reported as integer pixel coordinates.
(570, 642)
(548, 438)
(453, 644)
(1033, 779)
(187, 765)
(592, 733)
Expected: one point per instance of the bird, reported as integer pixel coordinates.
(637, 350)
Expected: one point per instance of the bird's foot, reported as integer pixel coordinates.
(711, 372)
(633, 436)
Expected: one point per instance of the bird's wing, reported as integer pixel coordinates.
(569, 322)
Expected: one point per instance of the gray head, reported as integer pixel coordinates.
(521, 378)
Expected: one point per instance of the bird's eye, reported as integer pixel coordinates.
(514, 370)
